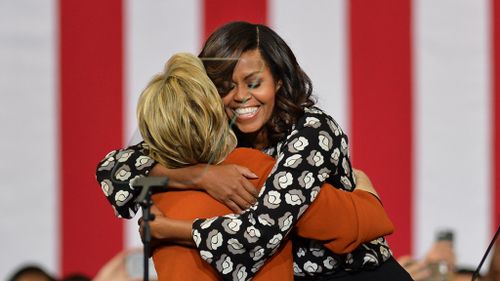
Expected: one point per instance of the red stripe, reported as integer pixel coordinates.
(495, 112)
(91, 124)
(219, 12)
(381, 111)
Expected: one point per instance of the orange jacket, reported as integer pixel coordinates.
(360, 218)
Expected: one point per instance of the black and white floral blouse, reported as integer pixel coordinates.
(237, 245)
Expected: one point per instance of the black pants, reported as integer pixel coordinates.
(388, 271)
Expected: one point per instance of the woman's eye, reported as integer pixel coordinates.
(225, 89)
(254, 85)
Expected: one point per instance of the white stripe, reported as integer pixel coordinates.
(155, 30)
(317, 35)
(28, 112)
(452, 97)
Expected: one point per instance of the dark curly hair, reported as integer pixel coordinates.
(220, 55)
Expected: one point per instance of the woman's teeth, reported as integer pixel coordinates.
(245, 110)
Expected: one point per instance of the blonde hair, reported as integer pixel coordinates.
(181, 116)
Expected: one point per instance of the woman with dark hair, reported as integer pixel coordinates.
(267, 97)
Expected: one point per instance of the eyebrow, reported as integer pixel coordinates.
(251, 74)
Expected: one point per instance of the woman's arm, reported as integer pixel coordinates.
(363, 217)
(115, 172)
(226, 183)
(312, 153)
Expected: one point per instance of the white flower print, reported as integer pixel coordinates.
(334, 127)
(293, 133)
(286, 221)
(313, 110)
(324, 174)
(325, 141)
(314, 193)
(312, 122)
(336, 156)
(369, 258)
(301, 252)
(258, 265)
(108, 164)
(298, 144)
(283, 179)
(293, 161)
(294, 197)
(306, 180)
(252, 234)
(121, 197)
(329, 262)
(343, 146)
(265, 219)
(196, 237)
(349, 259)
(123, 174)
(232, 225)
(240, 273)
(206, 255)
(143, 161)
(310, 266)
(272, 199)
(206, 223)
(225, 264)
(235, 247)
(296, 270)
(315, 158)
(251, 219)
(107, 187)
(215, 239)
(257, 253)
(275, 241)
(235, 225)
(110, 154)
(385, 252)
(124, 155)
(346, 166)
(346, 182)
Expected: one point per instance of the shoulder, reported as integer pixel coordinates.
(316, 118)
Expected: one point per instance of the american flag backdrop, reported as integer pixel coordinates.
(414, 83)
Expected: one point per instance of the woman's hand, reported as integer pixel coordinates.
(157, 226)
(363, 182)
(228, 184)
(167, 229)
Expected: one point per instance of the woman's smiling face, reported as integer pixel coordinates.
(251, 97)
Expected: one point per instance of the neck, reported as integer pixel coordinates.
(257, 140)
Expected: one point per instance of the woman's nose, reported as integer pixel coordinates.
(242, 94)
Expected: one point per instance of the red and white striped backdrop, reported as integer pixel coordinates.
(413, 82)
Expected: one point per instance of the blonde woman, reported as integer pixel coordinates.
(182, 120)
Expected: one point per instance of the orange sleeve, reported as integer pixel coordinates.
(344, 220)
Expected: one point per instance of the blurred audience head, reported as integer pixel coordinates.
(31, 273)
(464, 274)
(76, 277)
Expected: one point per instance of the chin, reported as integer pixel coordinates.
(249, 129)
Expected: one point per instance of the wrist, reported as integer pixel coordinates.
(200, 172)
